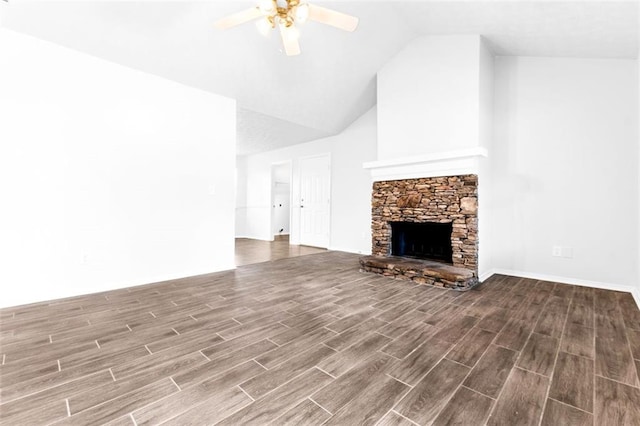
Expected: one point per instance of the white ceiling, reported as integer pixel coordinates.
(285, 100)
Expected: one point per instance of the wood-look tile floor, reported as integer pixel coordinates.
(249, 251)
(310, 340)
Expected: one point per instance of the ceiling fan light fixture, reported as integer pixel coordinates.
(302, 13)
(264, 26)
(267, 7)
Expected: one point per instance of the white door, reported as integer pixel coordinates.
(315, 179)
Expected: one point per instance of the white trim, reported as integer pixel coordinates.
(486, 275)
(253, 237)
(350, 250)
(129, 283)
(449, 163)
(636, 295)
(431, 158)
(566, 280)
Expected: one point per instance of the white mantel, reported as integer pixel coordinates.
(451, 163)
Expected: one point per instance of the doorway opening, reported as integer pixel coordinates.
(281, 200)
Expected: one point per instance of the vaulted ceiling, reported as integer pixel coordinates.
(285, 100)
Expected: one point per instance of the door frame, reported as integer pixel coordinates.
(272, 167)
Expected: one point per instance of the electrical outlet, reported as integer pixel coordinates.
(560, 251)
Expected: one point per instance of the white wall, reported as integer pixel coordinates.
(241, 196)
(428, 97)
(637, 292)
(485, 139)
(350, 186)
(565, 169)
(109, 177)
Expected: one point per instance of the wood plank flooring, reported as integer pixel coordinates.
(311, 340)
(249, 251)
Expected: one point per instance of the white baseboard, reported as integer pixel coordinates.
(253, 237)
(635, 292)
(636, 295)
(171, 277)
(486, 275)
(349, 250)
(59, 293)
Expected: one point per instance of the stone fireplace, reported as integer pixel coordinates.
(411, 222)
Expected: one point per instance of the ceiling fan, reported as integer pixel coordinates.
(285, 14)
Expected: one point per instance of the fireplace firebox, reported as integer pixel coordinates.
(424, 240)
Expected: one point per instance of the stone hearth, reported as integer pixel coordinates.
(447, 199)
(420, 271)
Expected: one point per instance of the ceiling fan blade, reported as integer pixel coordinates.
(238, 18)
(331, 17)
(289, 39)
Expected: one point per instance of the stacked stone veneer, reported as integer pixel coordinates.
(439, 199)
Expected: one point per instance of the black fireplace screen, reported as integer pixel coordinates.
(428, 240)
